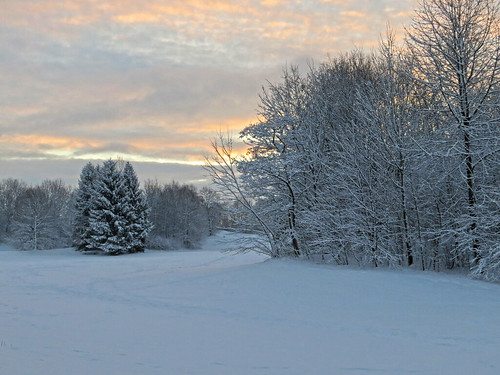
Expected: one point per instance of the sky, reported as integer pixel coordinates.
(153, 81)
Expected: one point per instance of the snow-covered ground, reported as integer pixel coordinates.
(208, 312)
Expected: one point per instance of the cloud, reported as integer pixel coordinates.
(155, 79)
(157, 112)
(225, 32)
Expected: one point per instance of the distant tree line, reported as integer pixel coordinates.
(108, 212)
(35, 217)
(390, 158)
(182, 215)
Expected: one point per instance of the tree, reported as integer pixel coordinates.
(42, 216)
(178, 214)
(10, 191)
(384, 159)
(389, 110)
(275, 158)
(106, 227)
(83, 198)
(222, 168)
(455, 48)
(212, 204)
(33, 222)
(136, 211)
(117, 212)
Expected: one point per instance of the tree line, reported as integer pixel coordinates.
(108, 212)
(389, 158)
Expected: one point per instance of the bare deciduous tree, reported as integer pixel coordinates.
(43, 216)
(455, 46)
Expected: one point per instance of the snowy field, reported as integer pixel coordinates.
(208, 312)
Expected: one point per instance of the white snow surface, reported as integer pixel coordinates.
(212, 312)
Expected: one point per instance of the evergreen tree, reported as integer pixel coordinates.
(112, 213)
(136, 211)
(106, 227)
(83, 198)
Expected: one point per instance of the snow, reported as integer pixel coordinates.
(212, 312)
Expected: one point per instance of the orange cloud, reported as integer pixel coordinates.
(78, 20)
(37, 141)
(338, 2)
(137, 18)
(209, 127)
(272, 3)
(189, 142)
(354, 14)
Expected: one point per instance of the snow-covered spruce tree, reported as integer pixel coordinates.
(83, 198)
(105, 230)
(136, 211)
(117, 219)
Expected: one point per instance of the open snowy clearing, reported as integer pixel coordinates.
(208, 312)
